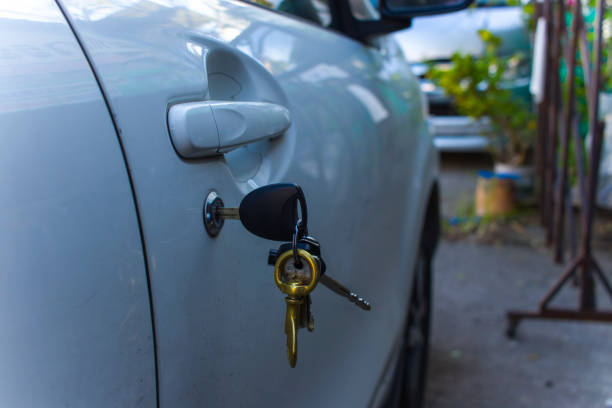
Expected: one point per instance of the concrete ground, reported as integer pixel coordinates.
(472, 363)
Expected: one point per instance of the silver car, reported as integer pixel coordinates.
(118, 120)
(434, 39)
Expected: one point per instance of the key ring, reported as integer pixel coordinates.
(296, 257)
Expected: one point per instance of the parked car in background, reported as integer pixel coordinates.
(112, 294)
(434, 39)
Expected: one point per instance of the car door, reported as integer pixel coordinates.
(357, 145)
(74, 302)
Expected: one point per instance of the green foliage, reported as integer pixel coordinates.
(477, 86)
(606, 69)
(607, 49)
(581, 94)
(529, 16)
(264, 3)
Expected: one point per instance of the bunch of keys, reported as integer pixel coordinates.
(296, 281)
(298, 267)
(271, 212)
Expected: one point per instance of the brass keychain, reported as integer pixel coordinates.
(296, 280)
(298, 268)
(278, 212)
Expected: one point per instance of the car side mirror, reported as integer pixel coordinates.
(406, 9)
(360, 19)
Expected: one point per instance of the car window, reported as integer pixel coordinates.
(316, 11)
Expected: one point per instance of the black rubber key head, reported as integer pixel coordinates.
(271, 212)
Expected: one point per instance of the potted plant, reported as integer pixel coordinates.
(477, 86)
(604, 196)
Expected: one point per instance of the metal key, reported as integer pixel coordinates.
(329, 282)
(296, 283)
(336, 287)
(270, 212)
(292, 318)
(312, 246)
(228, 213)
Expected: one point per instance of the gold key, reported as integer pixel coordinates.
(292, 324)
(296, 281)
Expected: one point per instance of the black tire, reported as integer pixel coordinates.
(408, 387)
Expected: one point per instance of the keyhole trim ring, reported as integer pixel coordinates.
(212, 222)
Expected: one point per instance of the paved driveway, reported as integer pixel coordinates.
(472, 363)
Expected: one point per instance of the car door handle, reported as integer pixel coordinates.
(209, 128)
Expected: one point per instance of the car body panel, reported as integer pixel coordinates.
(74, 305)
(358, 146)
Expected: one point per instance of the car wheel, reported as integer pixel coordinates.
(408, 387)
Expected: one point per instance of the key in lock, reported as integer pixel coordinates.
(278, 212)
(297, 282)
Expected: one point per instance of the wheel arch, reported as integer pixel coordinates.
(430, 232)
